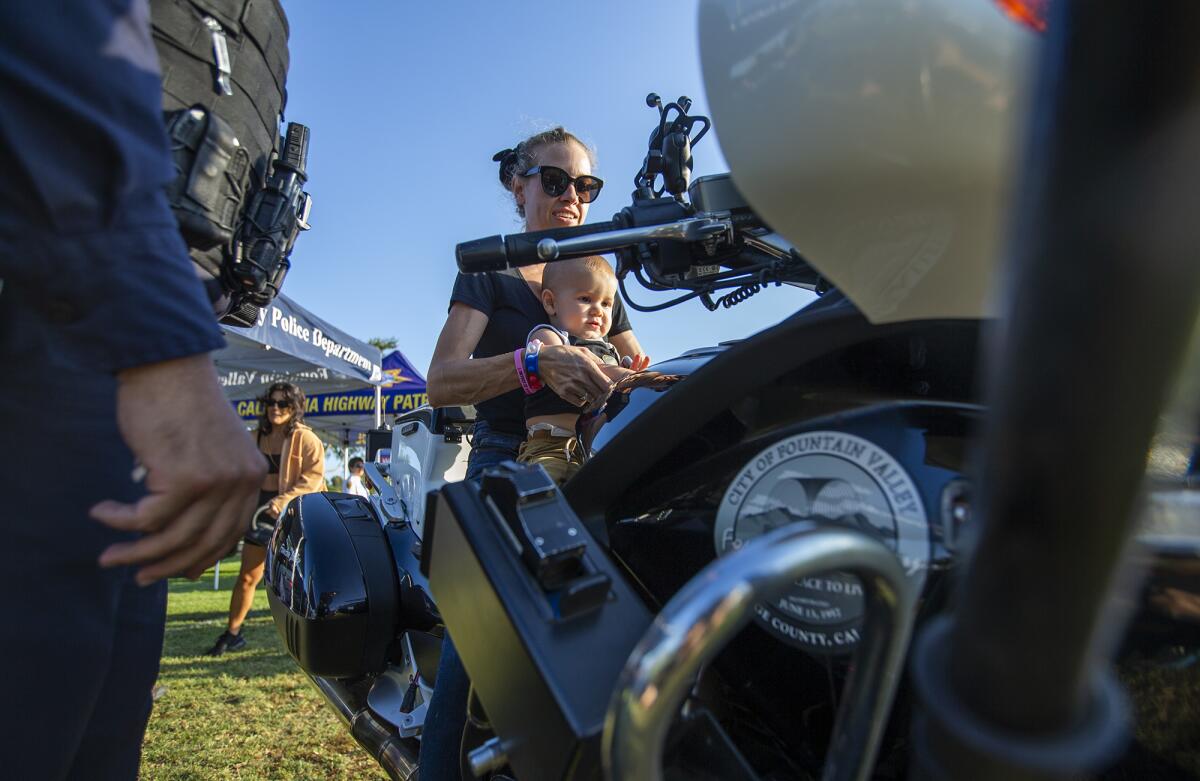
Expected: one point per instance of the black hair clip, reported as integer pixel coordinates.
(507, 158)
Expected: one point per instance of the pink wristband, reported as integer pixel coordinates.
(519, 362)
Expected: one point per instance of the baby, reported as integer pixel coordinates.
(578, 296)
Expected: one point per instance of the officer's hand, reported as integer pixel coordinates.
(203, 471)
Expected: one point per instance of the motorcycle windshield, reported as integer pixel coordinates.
(877, 137)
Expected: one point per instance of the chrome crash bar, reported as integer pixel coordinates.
(716, 604)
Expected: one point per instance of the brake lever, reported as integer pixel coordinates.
(690, 229)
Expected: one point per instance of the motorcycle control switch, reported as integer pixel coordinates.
(538, 521)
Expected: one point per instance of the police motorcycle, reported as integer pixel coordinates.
(730, 587)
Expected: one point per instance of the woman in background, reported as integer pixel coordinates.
(296, 466)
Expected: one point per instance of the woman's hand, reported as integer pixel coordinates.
(271, 512)
(573, 373)
(616, 373)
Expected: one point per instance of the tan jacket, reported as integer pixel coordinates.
(301, 467)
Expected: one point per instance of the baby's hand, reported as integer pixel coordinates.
(635, 362)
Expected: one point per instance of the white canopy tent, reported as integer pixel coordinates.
(290, 343)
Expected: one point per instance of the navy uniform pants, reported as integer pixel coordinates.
(79, 646)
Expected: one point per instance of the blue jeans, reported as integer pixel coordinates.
(489, 448)
(79, 645)
(442, 735)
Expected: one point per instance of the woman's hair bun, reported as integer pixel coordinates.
(507, 158)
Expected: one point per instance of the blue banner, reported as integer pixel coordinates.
(402, 390)
(343, 404)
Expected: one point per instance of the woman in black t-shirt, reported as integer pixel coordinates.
(490, 316)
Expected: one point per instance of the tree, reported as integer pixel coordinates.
(384, 343)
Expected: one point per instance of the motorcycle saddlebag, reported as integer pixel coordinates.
(331, 583)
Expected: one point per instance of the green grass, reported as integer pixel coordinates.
(1166, 705)
(249, 714)
(253, 715)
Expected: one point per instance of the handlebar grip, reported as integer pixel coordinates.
(475, 257)
(496, 253)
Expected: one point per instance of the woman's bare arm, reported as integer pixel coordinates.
(456, 378)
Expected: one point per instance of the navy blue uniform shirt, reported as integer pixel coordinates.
(95, 279)
(85, 230)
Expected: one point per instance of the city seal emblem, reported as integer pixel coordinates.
(833, 479)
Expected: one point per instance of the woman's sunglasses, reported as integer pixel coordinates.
(278, 403)
(555, 182)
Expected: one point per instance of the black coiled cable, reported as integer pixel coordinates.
(771, 272)
(738, 296)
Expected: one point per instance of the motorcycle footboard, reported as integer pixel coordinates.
(542, 619)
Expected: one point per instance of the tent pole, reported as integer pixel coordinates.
(378, 406)
(346, 459)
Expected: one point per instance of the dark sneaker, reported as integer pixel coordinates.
(226, 642)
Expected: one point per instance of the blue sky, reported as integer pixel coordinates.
(407, 102)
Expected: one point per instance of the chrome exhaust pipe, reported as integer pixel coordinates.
(396, 755)
(716, 604)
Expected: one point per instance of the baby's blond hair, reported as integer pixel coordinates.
(559, 271)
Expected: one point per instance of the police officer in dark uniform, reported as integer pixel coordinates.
(106, 389)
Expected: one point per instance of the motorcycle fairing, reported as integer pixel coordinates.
(877, 137)
(769, 685)
(656, 434)
(661, 467)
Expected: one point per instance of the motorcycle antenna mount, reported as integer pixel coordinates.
(669, 152)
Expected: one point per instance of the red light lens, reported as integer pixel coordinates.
(1031, 13)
